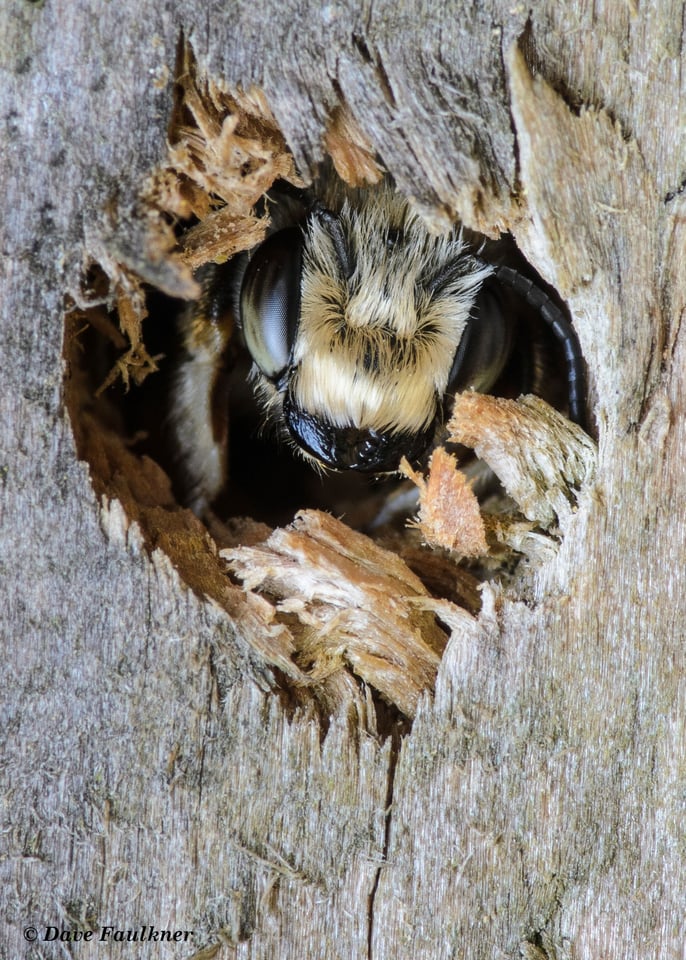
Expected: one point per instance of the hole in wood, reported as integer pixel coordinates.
(345, 614)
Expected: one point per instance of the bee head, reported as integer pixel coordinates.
(353, 321)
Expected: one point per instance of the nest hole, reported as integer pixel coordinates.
(122, 352)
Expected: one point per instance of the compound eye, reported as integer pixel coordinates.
(270, 300)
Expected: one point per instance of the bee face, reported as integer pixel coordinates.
(361, 325)
(354, 321)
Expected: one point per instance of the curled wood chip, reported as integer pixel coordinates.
(541, 458)
(507, 533)
(449, 514)
(350, 605)
(220, 234)
(351, 151)
(135, 363)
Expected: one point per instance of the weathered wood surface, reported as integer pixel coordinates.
(150, 775)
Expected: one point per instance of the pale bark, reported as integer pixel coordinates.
(152, 772)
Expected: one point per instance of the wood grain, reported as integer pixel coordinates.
(152, 773)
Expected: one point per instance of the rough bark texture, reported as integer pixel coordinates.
(151, 774)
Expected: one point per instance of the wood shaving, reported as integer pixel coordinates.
(225, 151)
(449, 514)
(541, 458)
(351, 151)
(350, 605)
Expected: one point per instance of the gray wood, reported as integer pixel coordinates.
(150, 773)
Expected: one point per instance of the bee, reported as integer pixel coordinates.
(361, 326)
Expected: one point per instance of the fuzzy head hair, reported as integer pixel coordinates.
(383, 307)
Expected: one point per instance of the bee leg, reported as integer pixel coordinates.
(199, 405)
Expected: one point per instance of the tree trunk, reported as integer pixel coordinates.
(159, 773)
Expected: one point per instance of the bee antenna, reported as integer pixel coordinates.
(335, 230)
(562, 330)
